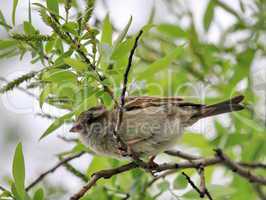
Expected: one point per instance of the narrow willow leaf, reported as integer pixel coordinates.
(4, 44)
(15, 4)
(180, 182)
(3, 22)
(59, 76)
(209, 14)
(87, 103)
(163, 186)
(9, 53)
(56, 124)
(14, 191)
(107, 31)
(52, 5)
(19, 171)
(76, 64)
(172, 30)
(28, 28)
(123, 33)
(160, 64)
(44, 94)
(39, 194)
(122, 49)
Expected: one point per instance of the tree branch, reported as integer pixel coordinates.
(203, 188)
(191, 157)
(193, 185)
(103, 174)
(182, 155)
(235, 167)
(169, 168)
(43, 175)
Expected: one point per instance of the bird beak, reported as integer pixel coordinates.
(76, 128)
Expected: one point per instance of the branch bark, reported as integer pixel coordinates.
(169, 168)
(103, 174)
(235, 167)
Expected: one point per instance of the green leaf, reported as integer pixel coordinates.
(3, 22)
(122, 49)
(107, 99)
(180, 182)
(59, 76)
(39, 194)
(28, 28)
(163, 186)
(4, 44)
(123, 33)
(86, 104)
(49, 46)
(19, 171)
(15, 4)
(14, 191)
(160, 64)
(44, 94)
(208, 16)
(98, 162)
(56, 124)
(172, 30)
(76, 64)
(52, 5)
(107, 31)
(198, 141)
(71, 27)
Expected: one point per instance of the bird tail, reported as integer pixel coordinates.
(222, 107)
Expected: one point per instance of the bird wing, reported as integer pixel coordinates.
(133, 103)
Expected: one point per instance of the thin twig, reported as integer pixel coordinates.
(252, 165)
(260, 192)
(3, 189)
(192, 157)
(163, 175)
(43, 175)
(6, 191)
(103, 174)
(193, 185)
(235, 167)
(123, 92)
(74, 171)
(199, 160)
(203, 188)
(183, 155)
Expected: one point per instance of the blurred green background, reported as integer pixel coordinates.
(205, 51)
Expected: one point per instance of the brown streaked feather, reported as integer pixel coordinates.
(133, 103)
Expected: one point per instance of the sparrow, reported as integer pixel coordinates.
(150, 125)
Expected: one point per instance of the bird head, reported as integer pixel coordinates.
(86, 118)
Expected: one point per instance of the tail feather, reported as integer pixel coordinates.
(223, 107)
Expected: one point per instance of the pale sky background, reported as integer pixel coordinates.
(17, 119)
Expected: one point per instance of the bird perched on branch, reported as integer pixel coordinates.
(150, 125)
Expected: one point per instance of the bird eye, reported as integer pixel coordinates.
(76, 128)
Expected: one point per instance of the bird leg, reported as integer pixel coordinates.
(129, 150)
(151, 163)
